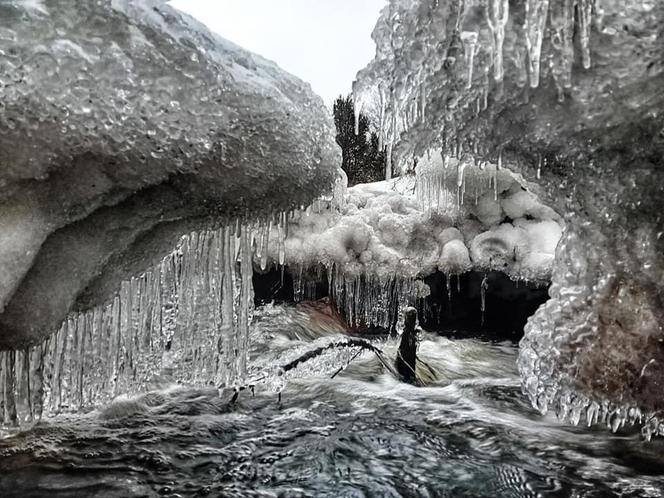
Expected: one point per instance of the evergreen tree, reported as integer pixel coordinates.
(362, 160)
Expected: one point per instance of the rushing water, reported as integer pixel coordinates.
(470, 433)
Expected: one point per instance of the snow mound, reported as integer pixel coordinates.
(385, 229)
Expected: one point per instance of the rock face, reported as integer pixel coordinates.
(571, 94)
(122, 125)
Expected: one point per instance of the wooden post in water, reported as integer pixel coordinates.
(407, 356)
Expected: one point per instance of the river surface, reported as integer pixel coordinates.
(360, 433)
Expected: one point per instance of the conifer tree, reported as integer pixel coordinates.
(362, 160)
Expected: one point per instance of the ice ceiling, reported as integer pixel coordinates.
(124, 125)
(569, 93)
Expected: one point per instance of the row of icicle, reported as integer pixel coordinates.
(364, 299)
(398, 113)
(445, 189)
(185, 320)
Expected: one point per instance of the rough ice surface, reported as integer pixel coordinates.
(386, 235)
(119, 118)
(569, 95)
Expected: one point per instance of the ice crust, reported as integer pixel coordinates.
(568, 94)
(117, 117)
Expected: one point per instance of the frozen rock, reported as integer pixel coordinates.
(118, 118)
(570, 98)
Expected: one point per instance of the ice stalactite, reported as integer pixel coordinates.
(357, 112)
(185, 320)
(469, 39)
(372, 299)
(388, 161)
(442, 188)
(364, 299)
(561, 20)
(497, 15)
(484, 286)
(535, 26)
(585, 8)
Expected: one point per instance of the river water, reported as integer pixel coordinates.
(360, 433)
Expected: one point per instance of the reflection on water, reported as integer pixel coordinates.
(471, 433)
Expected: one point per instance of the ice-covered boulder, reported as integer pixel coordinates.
(568, 93)
(122, 126)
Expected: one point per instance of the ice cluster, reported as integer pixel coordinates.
(117, 118)
(567, 93)
(451, 219)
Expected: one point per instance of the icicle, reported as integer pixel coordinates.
(186, 319)
(381, 119)
(469, 40)
(448, 282)
(461, 167)
(536, 15)
(245, 308)
(585, 20)
(561, 19)
(282, 239)
(388, 161)
(483, 288)
(485, 90)
(497, 14)
(266, 244)
(539, 166)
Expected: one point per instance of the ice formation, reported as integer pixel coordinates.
(575, 104)
(387, 235)
(186, 320)
(119, 120)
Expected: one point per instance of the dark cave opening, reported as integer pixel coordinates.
(456, 311)
(453, 311)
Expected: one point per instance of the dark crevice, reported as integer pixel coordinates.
(508, 303)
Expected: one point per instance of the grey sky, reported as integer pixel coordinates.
(324, 42)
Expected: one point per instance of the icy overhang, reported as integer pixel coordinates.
(122, 125)
(570, 93)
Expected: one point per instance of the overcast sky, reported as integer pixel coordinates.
(324, 42)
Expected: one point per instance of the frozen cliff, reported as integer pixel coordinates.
(567, 93)
(124, 125)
